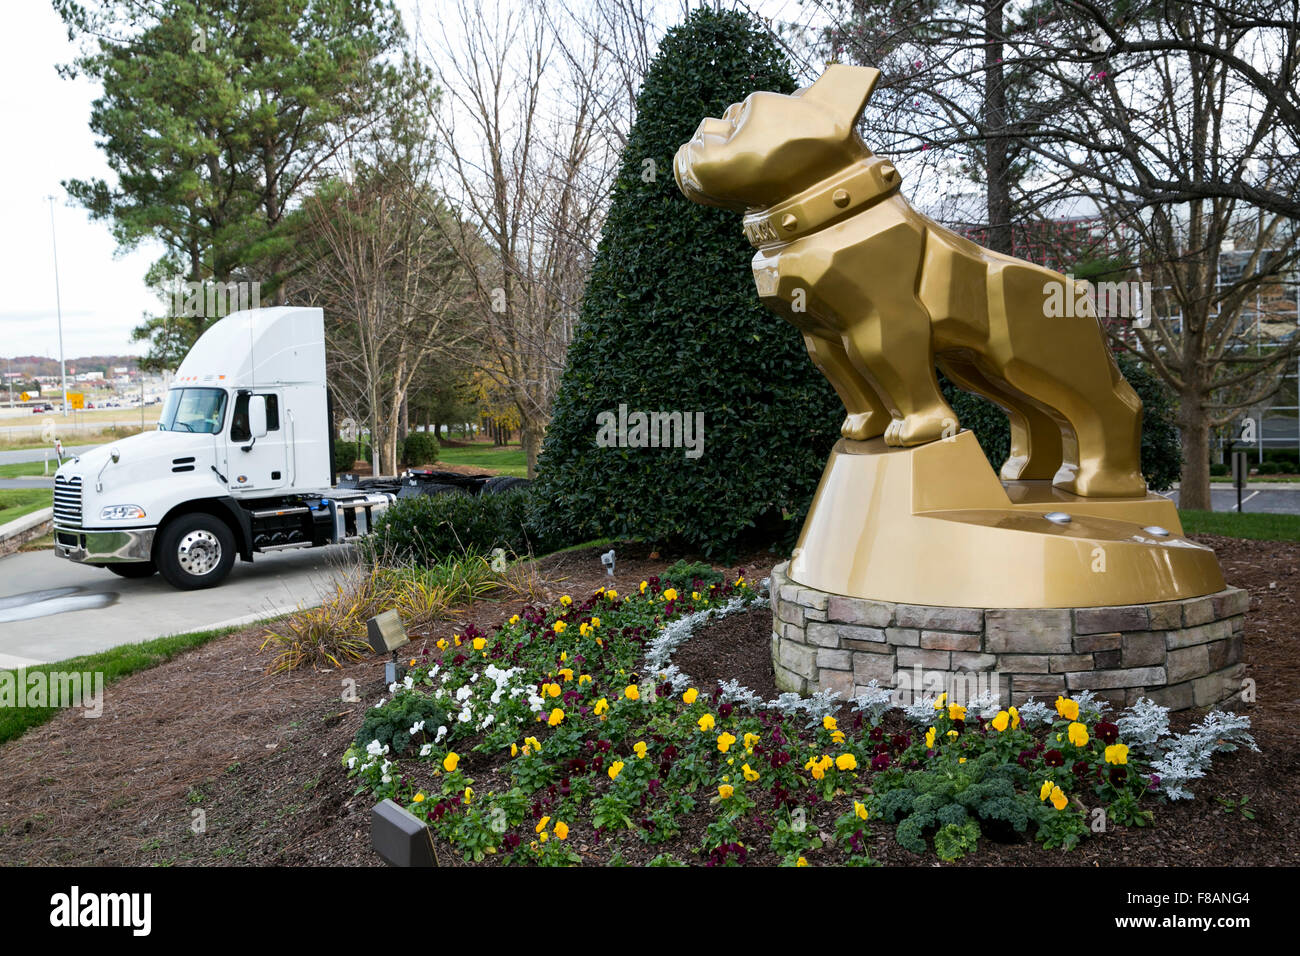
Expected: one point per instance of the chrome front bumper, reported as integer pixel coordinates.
(104, 547)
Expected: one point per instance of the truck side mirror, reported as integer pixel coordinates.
(257, 416)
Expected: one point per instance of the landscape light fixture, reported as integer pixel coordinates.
(607, 559)
(400, 837)
(386, 634)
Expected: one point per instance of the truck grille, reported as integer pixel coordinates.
(67, 502)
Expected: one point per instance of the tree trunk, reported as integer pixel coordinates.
(531, 439)
(996, 142)
(1194, 484)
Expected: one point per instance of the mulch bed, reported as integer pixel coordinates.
(260, 755)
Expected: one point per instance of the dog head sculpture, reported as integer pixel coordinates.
(772, 145)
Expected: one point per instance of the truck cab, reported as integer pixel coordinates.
(240, 462)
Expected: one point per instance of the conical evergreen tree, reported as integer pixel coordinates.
(671, 322)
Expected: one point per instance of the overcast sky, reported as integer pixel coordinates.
(48, 140)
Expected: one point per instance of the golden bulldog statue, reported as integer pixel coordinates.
(908, 509)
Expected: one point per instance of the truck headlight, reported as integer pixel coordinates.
(121, 513)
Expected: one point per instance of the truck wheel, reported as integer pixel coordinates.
(135, 569)
(195, 551)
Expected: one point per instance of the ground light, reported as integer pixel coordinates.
(401, 838)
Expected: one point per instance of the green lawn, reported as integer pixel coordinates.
(28, 468)
(504, 459)
(1255, 525)
(16, 502)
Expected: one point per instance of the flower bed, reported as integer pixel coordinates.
(568, 736)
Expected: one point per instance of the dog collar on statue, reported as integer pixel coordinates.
(824, 203)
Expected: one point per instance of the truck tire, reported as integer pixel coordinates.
(195, 551)
(133, 569)
(500, 483)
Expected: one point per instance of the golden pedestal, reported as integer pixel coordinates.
(933, 525)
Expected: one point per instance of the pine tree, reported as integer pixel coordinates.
(671, 322)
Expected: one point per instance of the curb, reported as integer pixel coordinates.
(18, 532)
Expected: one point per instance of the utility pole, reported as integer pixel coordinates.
(58, 305)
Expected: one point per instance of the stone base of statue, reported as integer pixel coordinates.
(918, 565)
(1184, 653)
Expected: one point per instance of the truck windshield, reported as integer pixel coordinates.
(193, 410)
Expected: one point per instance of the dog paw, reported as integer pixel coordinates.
(920, 429)
(1104, 483)
(863, 426)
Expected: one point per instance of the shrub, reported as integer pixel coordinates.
(1218, 469)
(425, 529)
(420, 448)
(670, 322)
(345, 454)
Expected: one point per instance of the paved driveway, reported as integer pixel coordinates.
(52, 609)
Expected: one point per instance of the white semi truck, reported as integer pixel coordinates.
(241, 463)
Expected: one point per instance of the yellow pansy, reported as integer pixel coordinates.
(553, 690)
(514, 750)
(542, 824)
(929, 739)
(632, 692)
(1078, 734)
(1002, 721)
(706, 722)
(860, 809)
(828, 722)
(837, 736)
(561, 830)
(1059, 799)
(639, 748)
(480, 643)
(565, 600)
(611, 594)
(1069, 709)
(690, 695)
(602, 705)
(450, 761)
(802, 861)
(725, 791)
(956, 712)
(1015, 717)
(725, 741)
(750, 740)
(557, 716)
(595, 622)
(644, 585)
(1045, 790)
(615, 769)
(514, 619)
(442, 644)
(566, 673)
(750, 773)
(559, 627)
(846, 762)
(670, 594)
(1117, 754)
(419, 797)
(469, 794)
(938, 704)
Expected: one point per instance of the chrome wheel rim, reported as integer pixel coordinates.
(199, 552)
